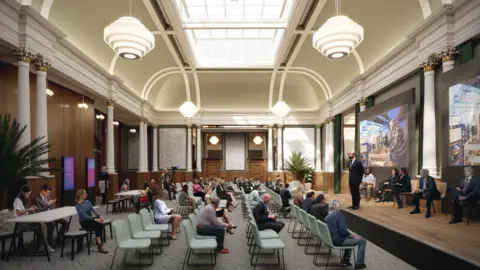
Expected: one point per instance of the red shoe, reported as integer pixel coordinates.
(224, 251)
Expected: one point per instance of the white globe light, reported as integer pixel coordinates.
(129, 38)
(214, 140)
(338, 37)
(281, 109)
(257, 140)
(188, 109)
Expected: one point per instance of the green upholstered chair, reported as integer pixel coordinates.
(327, 241)
(275, 244)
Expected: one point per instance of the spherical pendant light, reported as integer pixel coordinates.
(188, 109)
(281, 109)
(338, 37)
(129, 38)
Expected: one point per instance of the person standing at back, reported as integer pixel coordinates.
(355, 168)
(103, 184)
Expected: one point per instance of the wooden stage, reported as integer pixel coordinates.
(459, 240)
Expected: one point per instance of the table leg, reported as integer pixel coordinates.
(14, 239)
(44, 242)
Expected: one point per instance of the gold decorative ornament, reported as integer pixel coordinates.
(429, 64)
(110, 102)
(23, 55)
(41, 64)
(363, 102)
(449, 54)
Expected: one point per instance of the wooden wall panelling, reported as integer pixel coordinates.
(344, 185)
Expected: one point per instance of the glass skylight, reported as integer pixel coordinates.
(234, 33)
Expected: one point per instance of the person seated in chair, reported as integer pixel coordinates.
(254, 197)
(208, 224)
(308, 202)
(89, 218)
(427, 188)
(402, 185)
(222, 195)
(163, 214)
(368, 183)
(285, 194)
(298, 199)
(269, 183)
(263, 219)
(337, 225)
(185, 200)
(383, 196)
(467, 193)
(198, 190)
(320, 208)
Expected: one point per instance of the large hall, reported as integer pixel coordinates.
(240, 134)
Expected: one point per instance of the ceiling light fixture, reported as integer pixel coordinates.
(100, 117)
(128, 37)
(338, 36)
(132, 130)
(214, 140)
(49, 92)
(257, 140)
(83, 105)
(188, 109)
(281, 109)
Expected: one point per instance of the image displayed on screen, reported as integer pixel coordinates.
(68, 173)
(383, 139)
(464, 122)
(91, 172)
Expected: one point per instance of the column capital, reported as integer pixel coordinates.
(430, 64)
(23, 55)
(110, 102)
(40, 63)
(449, 54)
(318, 125)
(363, 101)
(269, 126)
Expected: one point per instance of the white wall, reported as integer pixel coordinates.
(235, 152)
(299, 140)
(173, 147)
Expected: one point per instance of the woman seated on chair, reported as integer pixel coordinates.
(185, 200)
(163, 214)
(254, 197)
(402, 185)
(383, 196)
(298, 199)
(125, 186)
(87, 220)
(221, 213)
(198, 190)
(20, 209)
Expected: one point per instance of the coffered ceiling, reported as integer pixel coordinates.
(236, 54)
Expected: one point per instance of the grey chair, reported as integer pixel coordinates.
(193, 221)
(148, 225)
(137, 231)
(124, 240)
(194, 244)
(276, 245)
(197, 212)
(327, 241)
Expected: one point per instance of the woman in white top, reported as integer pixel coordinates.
(19, 210)
(163, 214)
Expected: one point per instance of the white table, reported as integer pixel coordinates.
(44, 217)
(130, 193)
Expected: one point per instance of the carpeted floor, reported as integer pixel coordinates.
(173, 255)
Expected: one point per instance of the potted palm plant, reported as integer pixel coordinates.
(16, 163)
(307, 179)
(298, 165)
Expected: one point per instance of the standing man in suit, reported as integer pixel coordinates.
(427, 188)
(44, 203)
(103, 184)
(167, 184)
(263, 219)
(355, 168)
(467, 193)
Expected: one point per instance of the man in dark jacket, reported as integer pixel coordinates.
(285, 194)
(467, 193)
(263, 219)
(320, 209)
(427, 188)
(355, 168)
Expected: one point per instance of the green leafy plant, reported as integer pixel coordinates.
(307, 178)
(16, 162)
(297, 165)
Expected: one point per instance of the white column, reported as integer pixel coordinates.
(280, 148)
(41, 127)
(141, 156)
(199, 149)
(448, 65)
(189, 148)
(329, 146)
(155, 150)
(145, 146)
(270, 150)
(318, 152)
(24, 98)
(110, 141)
(363, 105)
(429, 139)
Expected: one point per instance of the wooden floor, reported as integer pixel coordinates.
(460, 240)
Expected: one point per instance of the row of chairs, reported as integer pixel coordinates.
(313, 229)
(276, 204)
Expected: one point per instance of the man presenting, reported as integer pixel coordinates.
(355, 168)
(467, 193)
(427, 188)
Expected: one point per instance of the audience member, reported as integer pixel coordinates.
(320, 208)
(185, 200)
(269, 183)
(168, 184)
(125, 186)
(153, 184)
(198, 190)
(337, 226)
(223, 215)
(467, 193)
(195, 174)
(285, 194)
(308, 201)
(263, 219)
(254, 197)
(298, 199)
(163, 214)
(228, 190)
(208, 224)
(222, 194)
(278, 181)
(368, 183)
(427, 188)
(402, 185)
(382, 196)
(87, 220)
(43, 203)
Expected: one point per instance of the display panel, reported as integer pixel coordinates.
(464, 122)
(68, 164)
(90, 172)
(383, 138)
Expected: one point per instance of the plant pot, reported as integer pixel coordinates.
(308, 186)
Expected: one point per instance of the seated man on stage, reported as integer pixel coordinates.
(263, 219)
(368, 183)
(467, 193)
(427, 188)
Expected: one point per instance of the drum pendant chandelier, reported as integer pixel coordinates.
(338, 37)
(128, 37)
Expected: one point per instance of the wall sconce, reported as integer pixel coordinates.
(49, 92)
(100, 117)
(116, 123)
(83, 105)
(132, 130)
